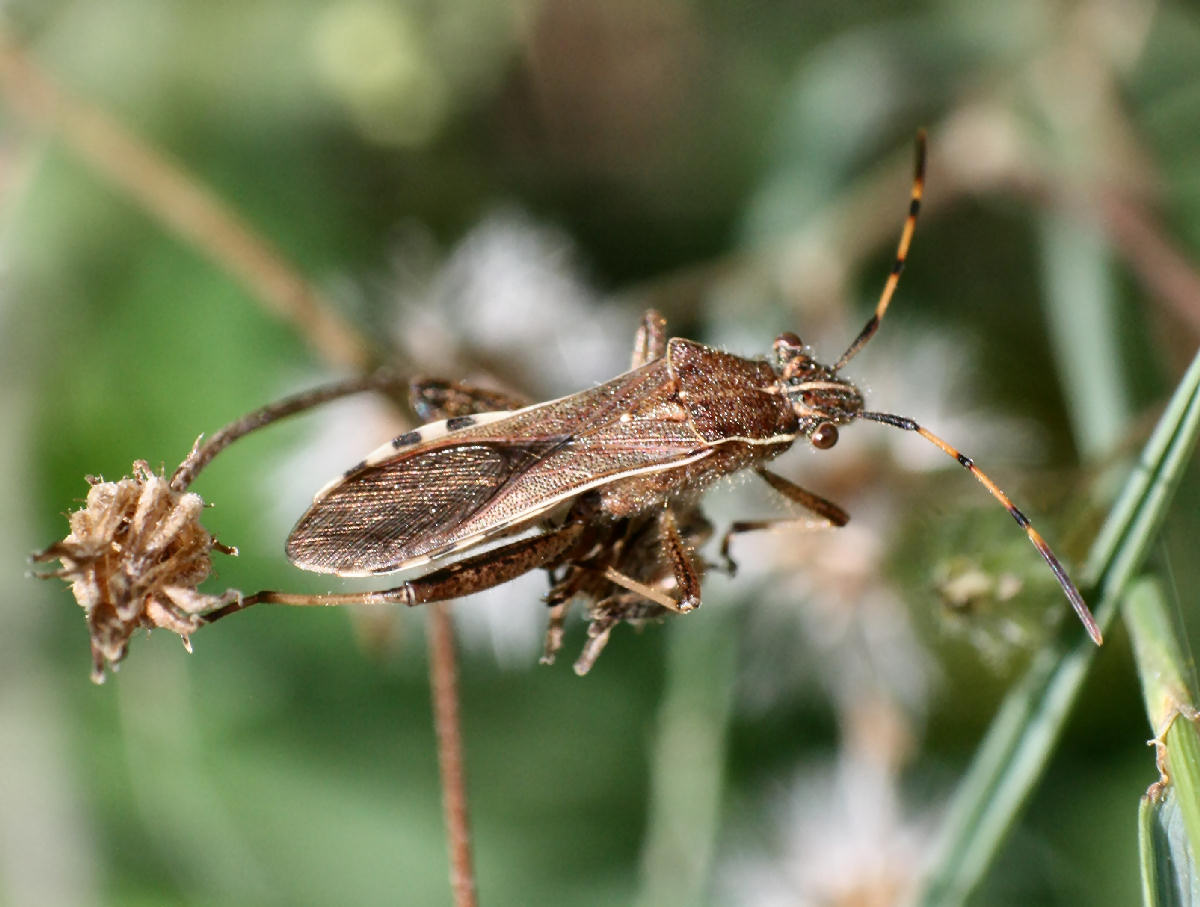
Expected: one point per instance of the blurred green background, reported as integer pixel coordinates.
(488, 189)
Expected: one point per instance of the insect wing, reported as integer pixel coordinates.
(402, 511)
(469, 479)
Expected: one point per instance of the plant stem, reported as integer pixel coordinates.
(171, 195)
(443, 676)
(1011, 758)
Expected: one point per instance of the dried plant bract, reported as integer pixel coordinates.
(136, 552)
(134, 557)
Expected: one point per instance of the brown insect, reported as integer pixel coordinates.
(612, 476)
(623, 575)
(627, 549)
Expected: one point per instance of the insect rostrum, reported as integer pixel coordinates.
(620, 462)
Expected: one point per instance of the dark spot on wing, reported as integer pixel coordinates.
(407, 439)
(456, 422)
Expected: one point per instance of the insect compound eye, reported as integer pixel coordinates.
(825, 436)
(787, 345)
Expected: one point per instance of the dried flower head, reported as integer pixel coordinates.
(136, 551)
(134, 557)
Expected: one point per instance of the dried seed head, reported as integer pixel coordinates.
(134, 557)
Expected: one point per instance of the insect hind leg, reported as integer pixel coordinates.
(495, 567)
(461, 578)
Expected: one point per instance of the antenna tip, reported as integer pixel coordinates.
(1085, 616)
(1082, 611)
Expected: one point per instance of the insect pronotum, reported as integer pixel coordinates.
(598, 470)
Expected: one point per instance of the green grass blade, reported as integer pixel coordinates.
(1169, 872)
(1183, 766)
(688, 761)
(1012, 755)
(1085, 329)
(1169, 815)
(1152, 847)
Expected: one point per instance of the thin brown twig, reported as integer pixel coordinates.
(1159, 264)
(168, 193)
(1135, 235)
(443, 671)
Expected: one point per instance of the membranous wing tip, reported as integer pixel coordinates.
(414, 505)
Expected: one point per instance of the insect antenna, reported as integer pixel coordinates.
(906, 235)
(1060, 573)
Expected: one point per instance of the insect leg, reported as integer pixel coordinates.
(202, 454)
(650, 342)
(687, 580)
(826, 509)
(465, 577)
(435, 398)
(492, 568)
(598, 633)
(830, 514)
(554, 632)
(617, 578)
